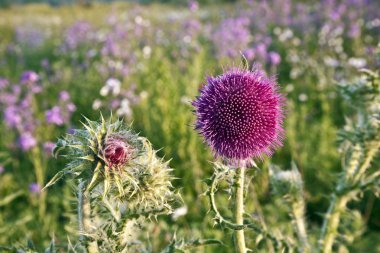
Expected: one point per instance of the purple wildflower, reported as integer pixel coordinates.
(3, 83)
(64, 96)
(1, 169)
(54, 116)
(12, 116)
(27, 141)
(274, 58)
(35, 188)
(193, 5)
(240, 114)
(29, 77)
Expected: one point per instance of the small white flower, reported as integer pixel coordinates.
(124, 109)
(357, 62)
(96, 104)
(179, 212)
(289, 88)
(114, 85)
(302, 97)
(147, 52)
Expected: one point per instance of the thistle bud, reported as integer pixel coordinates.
(287, 183)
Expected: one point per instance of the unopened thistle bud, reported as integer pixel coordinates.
(121, 165)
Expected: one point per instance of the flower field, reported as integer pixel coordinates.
(284, 92)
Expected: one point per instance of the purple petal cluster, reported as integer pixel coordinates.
(240, 115)
(117, 151)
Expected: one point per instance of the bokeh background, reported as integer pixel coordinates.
(145, 61)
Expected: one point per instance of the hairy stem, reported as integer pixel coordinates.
(298, 210)
(331, 222)
(239, 209)
(84, 218)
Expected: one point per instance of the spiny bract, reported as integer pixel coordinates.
(239, 114)
(126, 164)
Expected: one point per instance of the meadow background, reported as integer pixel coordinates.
(145, 61)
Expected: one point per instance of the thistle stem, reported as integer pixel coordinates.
(331, 222)
(84, 218)
(298, 210)
(239, 209)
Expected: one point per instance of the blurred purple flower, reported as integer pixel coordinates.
(193, 5)
(12, 116)
(29, 77)
(77, 34)
(3, 83)
(64, 96)
(30, 36)
(1, 169)
(54, 116)
(48, 147)
(71, 107)
(232, 37)
(249, 53)
(354, 31)
(27, 141)
(35, 188)
(261, 50)
(274, 58)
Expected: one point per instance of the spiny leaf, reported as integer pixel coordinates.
(57, 177)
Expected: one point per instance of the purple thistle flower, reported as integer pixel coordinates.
(240, 114)
(27, 141)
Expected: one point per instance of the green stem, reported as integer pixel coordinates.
(239, 209)
(298, 209)
(40, 178)
(84, 218)
(331, 222)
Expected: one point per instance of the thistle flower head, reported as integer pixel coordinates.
(126, 165)
(239, 114)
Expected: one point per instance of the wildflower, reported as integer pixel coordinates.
(27, 141)
(64, 96)
(274, 58)
(239, 114)
(112, 85)
(1, 169)
(12, 116)
(34, 188)
(54, 116)
(3, 83)
(29, 77)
